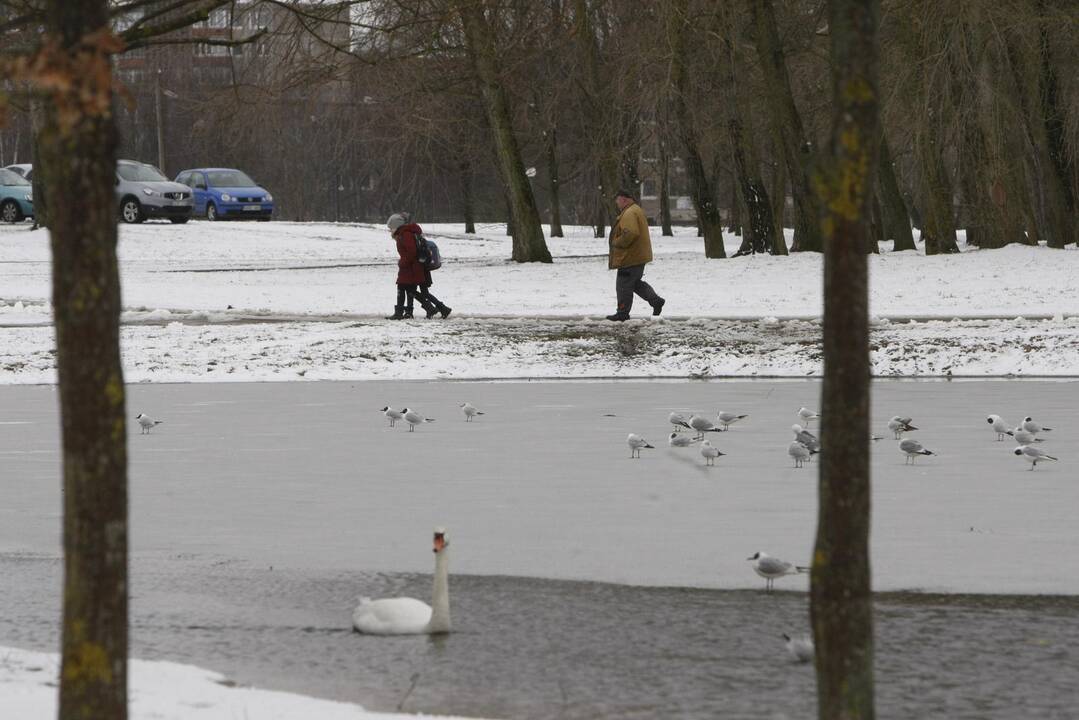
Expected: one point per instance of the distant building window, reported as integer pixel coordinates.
(220, 18)
(208, 50)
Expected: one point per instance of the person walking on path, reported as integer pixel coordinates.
(630, 250)
(413, 279)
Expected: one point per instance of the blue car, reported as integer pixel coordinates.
(226, 193)
(16, 198)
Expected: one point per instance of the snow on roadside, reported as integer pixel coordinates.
(165, 691)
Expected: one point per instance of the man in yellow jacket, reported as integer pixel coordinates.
(630, 250)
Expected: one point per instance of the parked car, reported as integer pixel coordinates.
(25, 170)
(225, 193)
(144, 192)
(16, 197)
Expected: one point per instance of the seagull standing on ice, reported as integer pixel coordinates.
(636, 442)
(1032, 427)
(146, 424)
(799, 452)
(800, 649)
(808, 415)
(702, 425)
(679, 421)
(912, 448)
(1033, 455)
(900, 425)
(1023, 437)
(678, 440)
(999, 426)
(393, 415)
(806, 438)
(771, 568)
(413, 419)
(470, 411)
(709, 452)
(726, 419)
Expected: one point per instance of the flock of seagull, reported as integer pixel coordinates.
(805, 444)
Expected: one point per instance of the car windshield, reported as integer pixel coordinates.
(229, 178)
(10, 177)
(140, 173)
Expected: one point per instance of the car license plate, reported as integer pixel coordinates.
(256, 208)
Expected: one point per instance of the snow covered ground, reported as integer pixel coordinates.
(281, 301)
(164, 691)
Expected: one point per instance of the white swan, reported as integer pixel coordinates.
(407, 616)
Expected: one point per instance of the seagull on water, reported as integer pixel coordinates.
(771, 568)
(912, 449)
(807, 415)
(702, 425)
(678, 440)
(999, 426)
(636, 442)
(679, 421)
(800, 649)
(806, 438)
(900, 425)
(1030, 426)
(799, 452)
(413, 419)
(726, 419)
(470, 411)
(1033, 455)
(710, 452)
(146, 424)
(393, 415)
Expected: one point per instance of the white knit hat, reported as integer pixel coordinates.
(396, 220)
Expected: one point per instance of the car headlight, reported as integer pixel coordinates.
(269, 197)
(148, 191)
(226, 197)
(29, 197)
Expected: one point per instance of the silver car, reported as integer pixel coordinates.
(143, 192)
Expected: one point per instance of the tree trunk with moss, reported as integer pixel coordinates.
(841, 607)
(797, 151)
(77, 149)
(529, 244)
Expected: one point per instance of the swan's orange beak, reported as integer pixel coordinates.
(440, 542)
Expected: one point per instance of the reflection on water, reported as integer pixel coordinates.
(529, 648)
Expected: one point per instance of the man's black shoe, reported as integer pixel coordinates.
(619, 317)
(658, 307)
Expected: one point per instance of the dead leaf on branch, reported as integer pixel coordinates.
(78, 79)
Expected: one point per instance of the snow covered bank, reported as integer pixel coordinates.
(164, 691)
(287, 300)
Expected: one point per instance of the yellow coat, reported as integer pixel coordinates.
(629, 241)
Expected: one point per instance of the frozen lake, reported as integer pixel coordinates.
(260, 512)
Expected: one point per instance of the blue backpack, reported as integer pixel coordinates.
(427, 253)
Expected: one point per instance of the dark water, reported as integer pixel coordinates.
(528, 648)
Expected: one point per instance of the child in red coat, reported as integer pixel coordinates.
(413, 279)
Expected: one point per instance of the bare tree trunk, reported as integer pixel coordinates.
(704, 201)
(597, 109)
(77, 148)
(529, 245)
(797, 151)
(554, 186)
(37, 182)
(468, 207)
(896, 218)
(664, 189)
(841, 605)
(734, 226)
(938, 222)
(779, 204)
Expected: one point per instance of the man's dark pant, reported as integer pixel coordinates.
(628, 282)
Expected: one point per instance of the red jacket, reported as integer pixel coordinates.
(410, 271)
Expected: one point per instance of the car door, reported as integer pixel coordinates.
(198, 188)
